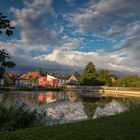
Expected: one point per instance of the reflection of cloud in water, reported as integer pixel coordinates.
(69, 112)
(62, 107)
(111, 108)
(66, 112)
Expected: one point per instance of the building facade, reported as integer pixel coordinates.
(48, 80)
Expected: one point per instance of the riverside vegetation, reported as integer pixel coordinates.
(91, 77)
(123, 126)
(32, 88)
(14, 117)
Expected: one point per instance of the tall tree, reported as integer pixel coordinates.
(5, 28)
(104, 77)
(89, 76)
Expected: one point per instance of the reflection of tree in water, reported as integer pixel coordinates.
(91, 103)
(130, 103)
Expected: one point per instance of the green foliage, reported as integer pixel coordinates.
(104, 77)
(129, 81)
(13, 117)
(7, 81)
(5, 62)
(89, 76)
(6, 28)
(33, 80)
(42, 72)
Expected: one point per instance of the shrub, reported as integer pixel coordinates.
(13, 117)
(129, 81)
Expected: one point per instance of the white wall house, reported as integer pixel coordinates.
(62, 81)
(22, 82)
(50, 78)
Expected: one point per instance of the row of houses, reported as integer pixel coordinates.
(37, 79)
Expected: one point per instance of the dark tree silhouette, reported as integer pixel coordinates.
(89, 76)
(5, 28)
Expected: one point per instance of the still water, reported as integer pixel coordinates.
(69, 106)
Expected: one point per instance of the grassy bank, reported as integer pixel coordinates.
(31, 88)
(39, 88)
(125, 126)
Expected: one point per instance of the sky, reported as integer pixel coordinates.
(64, 35)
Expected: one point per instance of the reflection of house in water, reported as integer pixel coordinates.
(29, 99)
(42, 99)
(50, 97)
(73, 97)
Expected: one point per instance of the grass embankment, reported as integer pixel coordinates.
(39, 88)
(125, 126)
(31, 88)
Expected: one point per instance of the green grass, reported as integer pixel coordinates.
(125, 126)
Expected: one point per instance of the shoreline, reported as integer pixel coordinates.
(85, 90)
(31, 89)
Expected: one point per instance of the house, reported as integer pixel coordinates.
(48, 80)
(21, 82)
(9, 79)
(31, 75)
(75, 79)
(29, 79)
(113, 80)
(61, 78)
(62, 81)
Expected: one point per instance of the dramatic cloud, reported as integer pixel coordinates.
(106, 32)
(113, 61)
(105, 13)
(33, 22)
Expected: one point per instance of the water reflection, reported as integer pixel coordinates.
(99, 106)
(62, 107)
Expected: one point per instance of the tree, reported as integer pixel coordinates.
(129, 81)
(104, 77)
(7, 80)
(5, 28)
(42, 72)
(89, 76)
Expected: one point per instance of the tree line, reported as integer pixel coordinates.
(91, 77)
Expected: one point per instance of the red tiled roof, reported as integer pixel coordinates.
(12, 74)
(30, 75)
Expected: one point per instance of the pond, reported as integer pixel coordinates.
(69, 106)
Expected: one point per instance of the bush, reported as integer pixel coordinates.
(13, 117)
(39, 88)
(129, 81)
